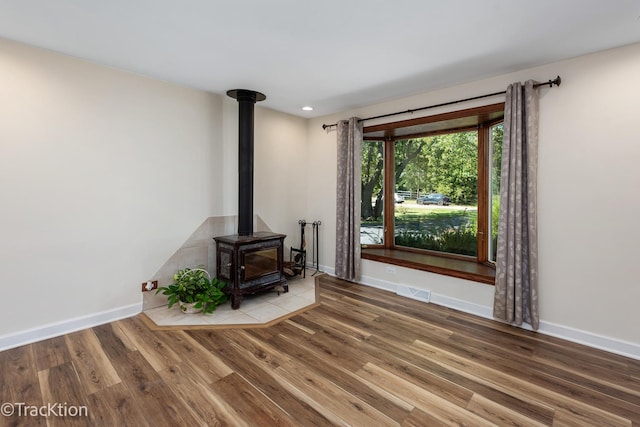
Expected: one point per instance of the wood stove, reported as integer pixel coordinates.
(249, 262)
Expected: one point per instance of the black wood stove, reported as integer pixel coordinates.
(248, 262)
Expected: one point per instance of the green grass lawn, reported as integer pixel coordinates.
(430, 217)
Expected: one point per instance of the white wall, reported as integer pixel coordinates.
(588, 179)
(280, 169)
(230, 156)
(279, 189)
(103, 174)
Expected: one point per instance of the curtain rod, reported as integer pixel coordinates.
(555, 81)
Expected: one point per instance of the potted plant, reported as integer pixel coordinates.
(194, 290)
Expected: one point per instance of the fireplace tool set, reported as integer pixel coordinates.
(298, 256)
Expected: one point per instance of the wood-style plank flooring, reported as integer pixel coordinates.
(364, 357)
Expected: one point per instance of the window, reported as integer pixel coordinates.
(495, 160)
(372, 224)
(439, 177)
(430, 191)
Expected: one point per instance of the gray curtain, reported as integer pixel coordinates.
(516, 290)
(348, 199)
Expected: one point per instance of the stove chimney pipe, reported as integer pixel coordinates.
(246, 100)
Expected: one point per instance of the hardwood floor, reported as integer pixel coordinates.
(364, 357)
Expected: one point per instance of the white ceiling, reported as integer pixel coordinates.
(330, 54)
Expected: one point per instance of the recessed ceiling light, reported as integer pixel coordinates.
(307, 108)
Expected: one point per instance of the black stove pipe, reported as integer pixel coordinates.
(246, 100)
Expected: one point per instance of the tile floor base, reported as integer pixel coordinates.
(257, 310)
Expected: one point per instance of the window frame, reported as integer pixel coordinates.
(477, 268)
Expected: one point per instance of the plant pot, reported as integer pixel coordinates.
(188, 308)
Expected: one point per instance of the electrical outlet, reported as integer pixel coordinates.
(149, 285)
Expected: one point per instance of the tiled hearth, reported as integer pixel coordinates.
(256, 310)
(197, 251)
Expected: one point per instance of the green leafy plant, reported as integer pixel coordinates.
(194, 286)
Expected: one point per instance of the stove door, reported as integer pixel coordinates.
(259, 263)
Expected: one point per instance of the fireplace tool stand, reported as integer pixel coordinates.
(315, 257)
(300, 257)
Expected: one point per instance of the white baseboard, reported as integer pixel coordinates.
(325, 269)
(612, 345)
(601, 342)
(67, 326)
(461, 305)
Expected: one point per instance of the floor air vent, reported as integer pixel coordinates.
(413, 293)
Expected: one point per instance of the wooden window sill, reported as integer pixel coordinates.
(469, 270)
